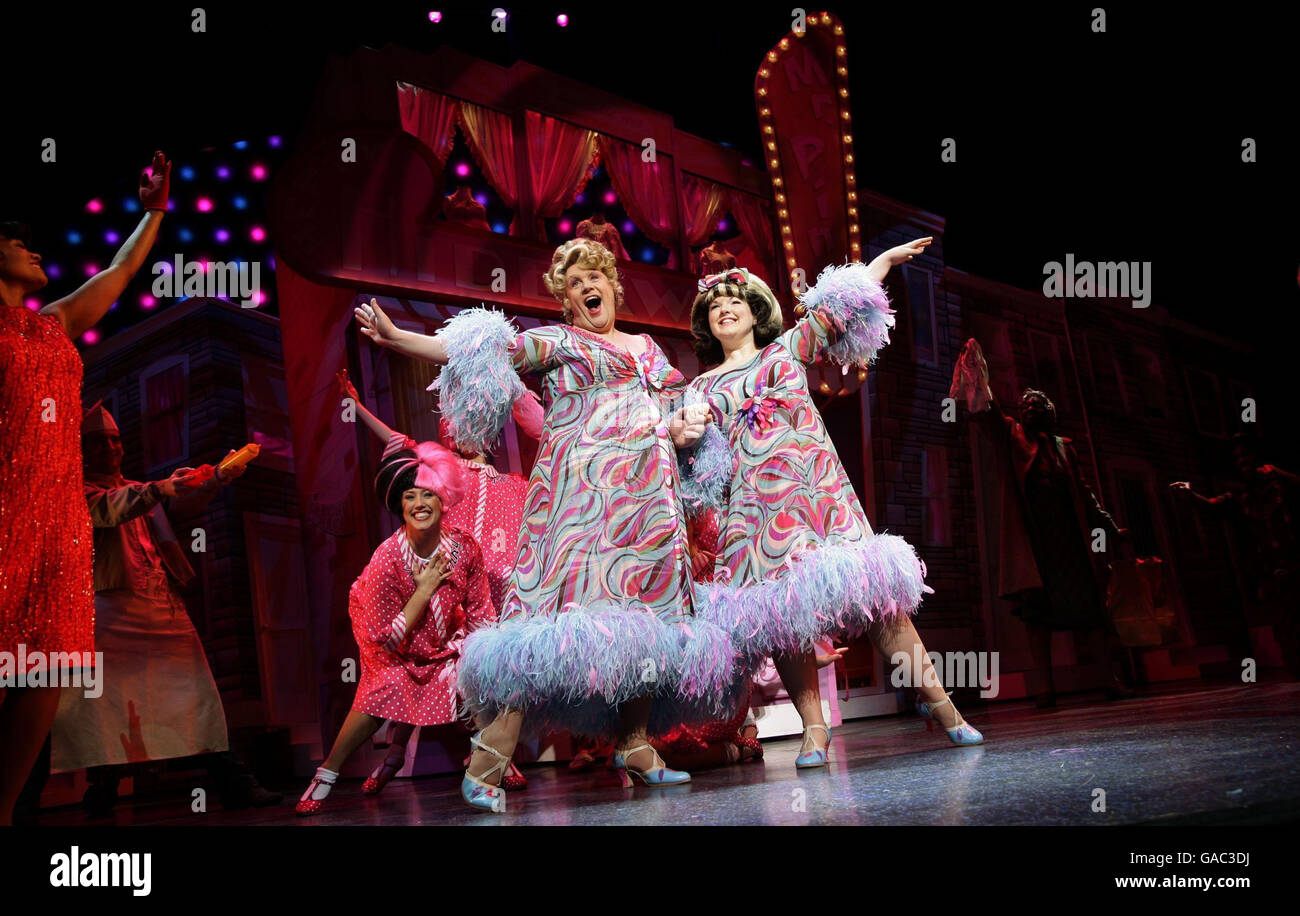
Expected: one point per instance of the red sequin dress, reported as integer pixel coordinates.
(46, 573)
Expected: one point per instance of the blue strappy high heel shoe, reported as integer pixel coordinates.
(657, 774)
(961, 733)
(480, 794)
(815, 758)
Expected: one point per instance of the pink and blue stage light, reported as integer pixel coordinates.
(90, 337)
(203, 205)
(222, 236)
(94, 206)
(257, 234)
(258, 172)
(435, 16)
(562, 20)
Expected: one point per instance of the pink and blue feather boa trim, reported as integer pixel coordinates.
(837, 588)
(479, 386)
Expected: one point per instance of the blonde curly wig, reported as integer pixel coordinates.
(585, 254)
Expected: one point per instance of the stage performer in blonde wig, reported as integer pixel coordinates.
(797, 561)
(597, 635)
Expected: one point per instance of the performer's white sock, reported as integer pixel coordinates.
(318, 790)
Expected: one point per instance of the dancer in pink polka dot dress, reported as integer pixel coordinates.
(491, 512)
(424, 590)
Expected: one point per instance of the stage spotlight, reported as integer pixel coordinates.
(565, 226)
(562, 20)
(90, 269)
(111, 237)
(90, 337)
(462, 169)
(258, 172)
(628, 227)
(74, 238)
(241, 144)
(187, 173)
(222, 235)
(274, 141)
(147, 301)
(94, 206)
(53, 271)
(185, 235)
(435, 16)
(481, 198)
(223, 172)
(203, 205)
(130, 205)
(257, 234)
(611, 197)
(239, 202)
(32, 303)
(500, 228)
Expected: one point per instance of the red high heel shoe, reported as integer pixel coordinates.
(383, 774)
(748, 743)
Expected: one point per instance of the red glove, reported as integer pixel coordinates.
(155, 182)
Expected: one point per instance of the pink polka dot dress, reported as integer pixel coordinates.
(409, 676)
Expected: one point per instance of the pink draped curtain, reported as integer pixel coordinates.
(428, 116)
(645, 189)
(491, 139)
(754, 220)
(561, 157)
(702, 203)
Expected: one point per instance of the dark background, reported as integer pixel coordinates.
(1118, 146)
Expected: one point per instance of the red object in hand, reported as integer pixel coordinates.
(155, 182)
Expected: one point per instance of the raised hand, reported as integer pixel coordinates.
(375, 324)
(155, 183)
(903, 253)
(346, 388)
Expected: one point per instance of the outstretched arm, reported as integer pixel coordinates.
(373, 423)
(80, 311)
(380, 328)
(880, 265)
(1183, 488)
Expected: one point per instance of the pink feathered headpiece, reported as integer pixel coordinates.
(435, 469)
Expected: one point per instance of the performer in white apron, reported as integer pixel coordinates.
(159, 699)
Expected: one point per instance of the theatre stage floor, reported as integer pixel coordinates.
(1182, 754)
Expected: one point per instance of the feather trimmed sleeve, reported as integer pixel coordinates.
(848, 318)
(478, 387)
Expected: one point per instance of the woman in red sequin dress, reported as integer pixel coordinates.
(46, 590)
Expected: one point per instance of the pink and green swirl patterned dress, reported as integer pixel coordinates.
(797, 559)
(599, 609)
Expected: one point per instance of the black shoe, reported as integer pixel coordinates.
(99, 800)
(1119, 691)
(247, 793)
